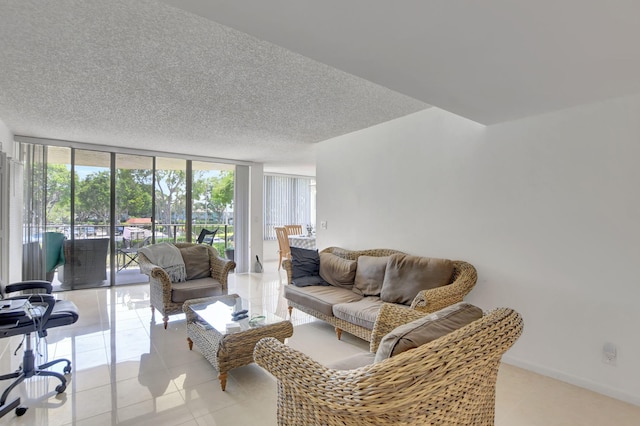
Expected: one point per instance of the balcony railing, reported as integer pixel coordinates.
(135, 235)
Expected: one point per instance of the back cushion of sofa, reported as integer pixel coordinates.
(337, 271)
(370, 275)
(427, 329)
(406, 275)
(196, 261)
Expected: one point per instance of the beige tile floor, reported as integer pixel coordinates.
(128, 370)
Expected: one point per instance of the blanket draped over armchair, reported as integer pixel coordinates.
(168, 257)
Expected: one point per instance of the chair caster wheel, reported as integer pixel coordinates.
(21, 410)
(61, 388)
(67, 369)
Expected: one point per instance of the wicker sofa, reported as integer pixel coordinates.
(168, 297)
(462, 281)
(447, 381)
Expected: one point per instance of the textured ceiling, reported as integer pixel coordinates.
(220, 77)
(490, 61)
(146, 75)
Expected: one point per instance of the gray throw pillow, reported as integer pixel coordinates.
(406, 275)
(370, 275)
(196, 261)
(337, 271)
(427, 329)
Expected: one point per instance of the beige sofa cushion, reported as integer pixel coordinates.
(195, 289)
(406, 275)
(426, 329)
(337, 271)
(370, 275)
(196, 261)
(320, 298)
(362, 313)
(352, 362)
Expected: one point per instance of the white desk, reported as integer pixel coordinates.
(302, 241)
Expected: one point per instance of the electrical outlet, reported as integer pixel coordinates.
(323, 224)
(609, 354)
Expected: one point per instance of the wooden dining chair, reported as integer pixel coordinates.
(294, 229)
(283, 244)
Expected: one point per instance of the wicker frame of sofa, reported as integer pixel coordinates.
(160, 283)
(463, 280)
(449, 381)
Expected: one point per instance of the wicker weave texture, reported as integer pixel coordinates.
(227, 351)
(463, 280)
(160, 284)
(450, 381)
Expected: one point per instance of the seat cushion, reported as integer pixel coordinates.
(64, 312)
(320, 298)
(370, 275)
(194, 289)
(196, 261)
(427, 329)
(304, 262)
(362, 312)
(337, 271)
(352, 362)
(406, 275)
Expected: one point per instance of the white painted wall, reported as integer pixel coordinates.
(256, 228)
(6, 139)
(546, 208)
(11, 207)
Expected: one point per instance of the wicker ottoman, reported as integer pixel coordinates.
(206, 327)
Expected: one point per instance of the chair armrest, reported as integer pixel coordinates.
(463, 280)
(345, 392)
(145, 265)
(220, 268)
(287, 266)
(39, 299)
(36, 299)
(309, 378)
(390, 317)
(159, 280)
(29, 285)
(153, 271)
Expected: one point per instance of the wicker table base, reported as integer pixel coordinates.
(227, 351)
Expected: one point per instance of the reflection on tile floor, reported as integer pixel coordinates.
(129, 370)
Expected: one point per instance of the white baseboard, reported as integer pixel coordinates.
(578, 381)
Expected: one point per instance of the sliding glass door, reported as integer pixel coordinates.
(87, 213)
(212, 195)
(86, 248)
(133, 221)
(171, 200)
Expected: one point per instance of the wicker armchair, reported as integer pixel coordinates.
(449, 381)
(463, 280)
(161, 287)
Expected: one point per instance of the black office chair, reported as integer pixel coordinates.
(41, 312)
(204, 235)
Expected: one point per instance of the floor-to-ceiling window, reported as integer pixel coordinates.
(104, 206)
(212, 200)
(132, 214)
(86, 250)
(171, 198)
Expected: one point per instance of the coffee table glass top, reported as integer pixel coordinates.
(219, 316)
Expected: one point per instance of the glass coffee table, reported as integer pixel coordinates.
(226, 343)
